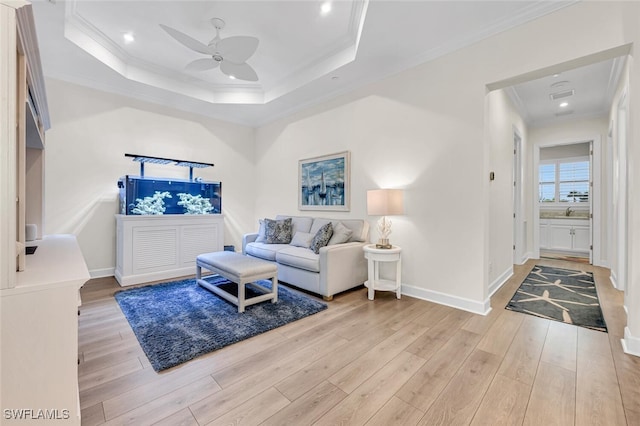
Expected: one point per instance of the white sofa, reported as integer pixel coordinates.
(336, 268)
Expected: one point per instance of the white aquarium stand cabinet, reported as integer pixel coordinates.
(152, 248)
(375, 256)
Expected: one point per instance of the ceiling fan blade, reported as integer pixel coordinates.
(237, 49)
(202, 64)
(188, 41)
(239, 71)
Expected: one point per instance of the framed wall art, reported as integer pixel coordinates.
(324, 182)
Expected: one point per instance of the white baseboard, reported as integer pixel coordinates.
(613, 279)
(104, 272)
(528, 255)
(153, 276)
(473, 306)
(499, 282)
(630, 344)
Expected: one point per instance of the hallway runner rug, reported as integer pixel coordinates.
(561, 295)
(178, 321)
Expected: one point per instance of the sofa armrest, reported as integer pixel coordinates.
(246, 239)
(342, 266)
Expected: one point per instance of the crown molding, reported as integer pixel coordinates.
(28, 46)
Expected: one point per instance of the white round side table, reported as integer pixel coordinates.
(375, 256)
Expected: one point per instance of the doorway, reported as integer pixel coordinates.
(568, 189)
(519, 225)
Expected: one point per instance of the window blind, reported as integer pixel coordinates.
(564, 182)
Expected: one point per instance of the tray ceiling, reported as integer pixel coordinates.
(304, 56)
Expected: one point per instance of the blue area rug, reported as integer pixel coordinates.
(178, 321)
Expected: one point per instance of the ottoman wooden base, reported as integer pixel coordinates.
(242, 270)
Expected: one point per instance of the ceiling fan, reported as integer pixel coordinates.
(229, 53)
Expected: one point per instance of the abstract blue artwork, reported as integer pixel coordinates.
(324, 182)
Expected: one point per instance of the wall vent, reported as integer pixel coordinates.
(561, 113)
(560, 95)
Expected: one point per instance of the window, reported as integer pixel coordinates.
(547, 183)
(564, 181)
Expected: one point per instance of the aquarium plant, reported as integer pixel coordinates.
(151, 205)
(195, 204)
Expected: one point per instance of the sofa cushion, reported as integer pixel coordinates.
(341, 234)
(359, 227)
(299, 223)
(321, 238)
(302, 239)
(278, 231)
(261, 232)
(264, 251)
(317, 224)
(299, 257)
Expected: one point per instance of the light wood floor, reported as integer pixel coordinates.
(383, 362)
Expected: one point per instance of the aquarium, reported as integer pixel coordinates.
(160, 196)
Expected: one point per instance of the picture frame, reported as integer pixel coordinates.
(324, 183)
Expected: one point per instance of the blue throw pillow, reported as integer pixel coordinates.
(321, 238)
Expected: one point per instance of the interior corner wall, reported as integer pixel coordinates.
(92, 130)
(631, 340)
(614, 153)
(503, 118)
(423, 130)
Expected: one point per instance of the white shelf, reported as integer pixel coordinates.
(383, 285)
(57, 262)
(39, 352)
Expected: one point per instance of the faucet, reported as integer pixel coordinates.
(568, 211)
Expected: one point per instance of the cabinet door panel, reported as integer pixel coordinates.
(544, 239)
(581, 237)
(560, 237)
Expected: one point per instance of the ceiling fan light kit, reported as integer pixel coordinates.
(230, 54)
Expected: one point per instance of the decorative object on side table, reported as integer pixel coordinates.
(385, 202)
(375, 255)
(323, 182)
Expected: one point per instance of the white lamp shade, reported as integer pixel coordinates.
(385, 202)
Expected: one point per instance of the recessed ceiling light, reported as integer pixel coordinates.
(232, 77)
(556, 75)
(564, 104)
(128, 38)
(325, 8)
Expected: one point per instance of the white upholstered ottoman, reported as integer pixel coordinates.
(242, 270)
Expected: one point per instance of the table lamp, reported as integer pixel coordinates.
(384, 202)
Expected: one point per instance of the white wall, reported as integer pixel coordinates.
(565, 151)
(631, 340)
(91, 131)
(615, 181)
(502, 121)
(423, 130)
